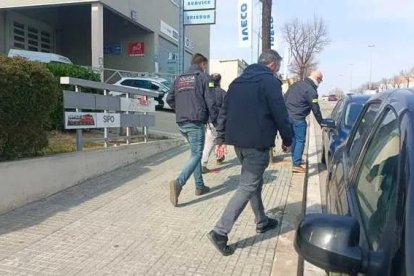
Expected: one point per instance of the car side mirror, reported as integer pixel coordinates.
(329, 123)
(330, 242)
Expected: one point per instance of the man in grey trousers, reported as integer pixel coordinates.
(254, 102)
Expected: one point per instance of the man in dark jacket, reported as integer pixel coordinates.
(253, 112)
(301, 98)
(211, 134)
(194, 105)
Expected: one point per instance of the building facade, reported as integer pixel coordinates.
(229, 69)
(133, 35)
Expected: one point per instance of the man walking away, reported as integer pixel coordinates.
(194, 105)
(301, 98)
(253, 112)
(211, 134)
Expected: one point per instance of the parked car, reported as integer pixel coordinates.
(39, 56)
(369, 225)
(332, 98)
(147, 84)
(340, 123)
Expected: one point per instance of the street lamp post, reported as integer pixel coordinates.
(370, 64)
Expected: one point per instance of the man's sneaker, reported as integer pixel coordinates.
(298, 169)
(220, 242)
(175, 190)
(204, 169)
(202, 191)
(271, 224)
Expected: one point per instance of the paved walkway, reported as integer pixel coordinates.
(122, 223)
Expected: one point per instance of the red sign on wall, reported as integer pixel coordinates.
(136, 49)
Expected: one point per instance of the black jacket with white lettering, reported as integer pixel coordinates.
(301, 98)
(191, 98)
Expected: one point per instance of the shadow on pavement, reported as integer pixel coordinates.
(288, 219)
(228, 186)
(36, 212)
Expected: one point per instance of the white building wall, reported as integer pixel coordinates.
(228, 69)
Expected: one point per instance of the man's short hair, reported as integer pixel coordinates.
(269, 56)
(198, 59)
(215, 78)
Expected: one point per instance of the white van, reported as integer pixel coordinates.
(39, 56)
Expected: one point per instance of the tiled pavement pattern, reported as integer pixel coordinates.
(122, 223)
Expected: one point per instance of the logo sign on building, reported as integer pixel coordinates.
(78, 120)
(190, 5)
(137, 105)
(108, 120)
(199, 17)
(113, 49)
(136, 49)
(272, 33)
(173, 33)
(245, 22)
(169, 31)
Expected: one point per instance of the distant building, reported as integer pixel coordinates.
(228, 69)
(135, 35)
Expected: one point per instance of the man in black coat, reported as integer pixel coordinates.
(301, 98)
(253, 112)
(194, 105)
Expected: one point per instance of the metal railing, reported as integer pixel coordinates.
(133, 111)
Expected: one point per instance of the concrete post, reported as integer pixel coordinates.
(97, 37)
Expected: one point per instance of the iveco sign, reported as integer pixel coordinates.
(245, 23)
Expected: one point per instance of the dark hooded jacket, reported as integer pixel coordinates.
(253, 111)
(191, 98)
(301, 98)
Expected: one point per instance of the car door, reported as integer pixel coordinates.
(338, 177)
(327, 133)
(375, 194)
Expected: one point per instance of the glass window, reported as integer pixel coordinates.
(337, 110)
(376, 178)
(362, 130)
(351, 113)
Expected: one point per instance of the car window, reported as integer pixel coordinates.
(362, 130)
(378, 173)
(335, 111)
(128, 82)
(351, 113)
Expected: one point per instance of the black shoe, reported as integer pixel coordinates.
(220, 242)
(204, 169)
(271, 224)
(175, 190)
(202, 191)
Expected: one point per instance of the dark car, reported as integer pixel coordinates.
(370, 198)
(332, 98)
(340, 123)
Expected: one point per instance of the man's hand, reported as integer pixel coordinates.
(221, 151)
(285, 149)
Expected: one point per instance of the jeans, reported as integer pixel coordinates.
(211, 135)
(254, 162)
(298, 142)
(194, 133)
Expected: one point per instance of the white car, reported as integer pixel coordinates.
(159, 85)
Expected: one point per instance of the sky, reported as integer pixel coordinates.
(352, 26)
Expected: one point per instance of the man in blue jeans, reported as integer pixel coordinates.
(301, 98)
(252, 114)
(194, 105)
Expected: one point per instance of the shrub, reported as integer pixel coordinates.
(28, 94)
(67, 70)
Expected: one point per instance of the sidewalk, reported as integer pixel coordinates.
(123, 224)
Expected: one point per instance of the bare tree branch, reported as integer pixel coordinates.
(306, 40)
